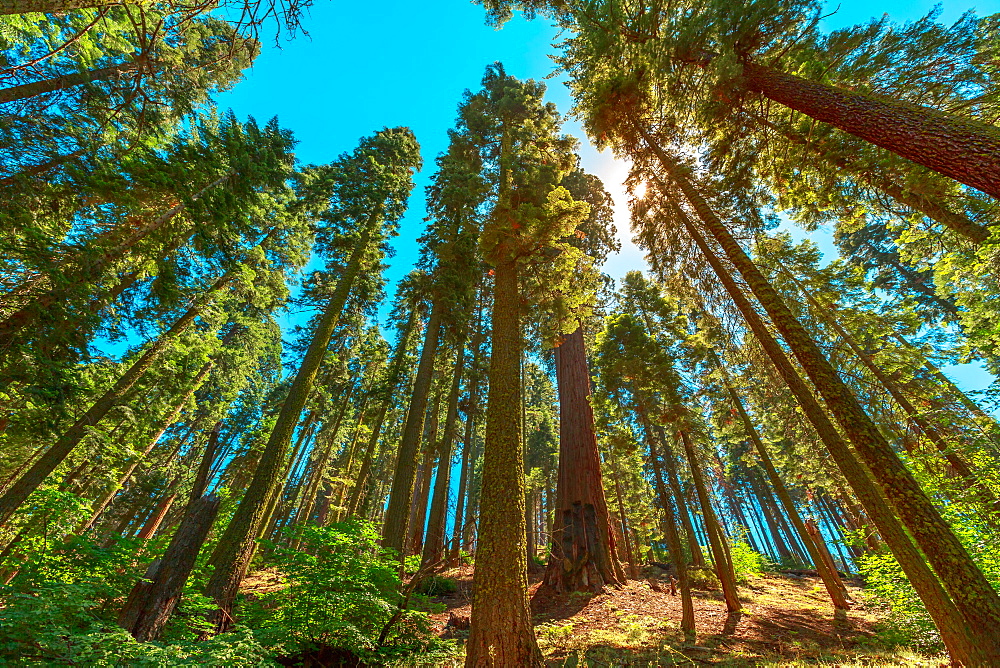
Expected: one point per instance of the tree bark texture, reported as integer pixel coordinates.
(8, 7)
(583, 556)
(502, 632)
(150, 605)
(35, 88)
(963, 149)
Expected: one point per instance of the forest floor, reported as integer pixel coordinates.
(786, 621)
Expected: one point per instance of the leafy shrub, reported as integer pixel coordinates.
(436, 585)
(746, 561)
(343, 592)
(62, 608)
(907, 621)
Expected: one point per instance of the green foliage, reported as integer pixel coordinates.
(437, 585)
(343, 591)
(746, 561)
(61, 608)
(906, 621)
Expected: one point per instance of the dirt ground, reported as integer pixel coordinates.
(786, 621)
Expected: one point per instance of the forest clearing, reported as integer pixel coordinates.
(523, 333)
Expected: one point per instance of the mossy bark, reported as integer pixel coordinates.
(502, 632)
(961, 148)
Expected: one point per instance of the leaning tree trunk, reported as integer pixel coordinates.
(961, 148)
(834, 586)
(35, 476)
(102, 503)
(674, 544)
(971, 591)
(923, 204)
(401, 496)
(8, 7)
(964, 645)
(583, 555)
(150, 604)
(236, 545)
(723, 565)
(697, 556)
(35, 88)
(389, 389)
(502, 632)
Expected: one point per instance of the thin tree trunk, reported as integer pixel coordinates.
(102, 503)
(236, 545)
(8, 7)
(35, 88)
(434, 543)
(834, 586)
(962, 642)
(970, 590)
(29, 482)
(697, 556)
(961, 148)
(394, 530)
(723, 566)
(674, 544)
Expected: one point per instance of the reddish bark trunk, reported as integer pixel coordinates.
(583, 556)
(963, 149)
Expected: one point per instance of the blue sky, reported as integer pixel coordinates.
(364, 66)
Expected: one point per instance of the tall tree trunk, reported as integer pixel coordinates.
(418, 506)
(723, 565)
(831, 580)
(236, 545)
(630, 550)
(35, 88)
(463, 482)
(964, 644)
(33, 477)
(8, 7)
(961, 148)
(434, 543)
(697, 556)
(401, 495)
(673, 543)
(958, 464)
(150, 605)
(970, 590)
(502, 633)
(583, 558)
(923, 204)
